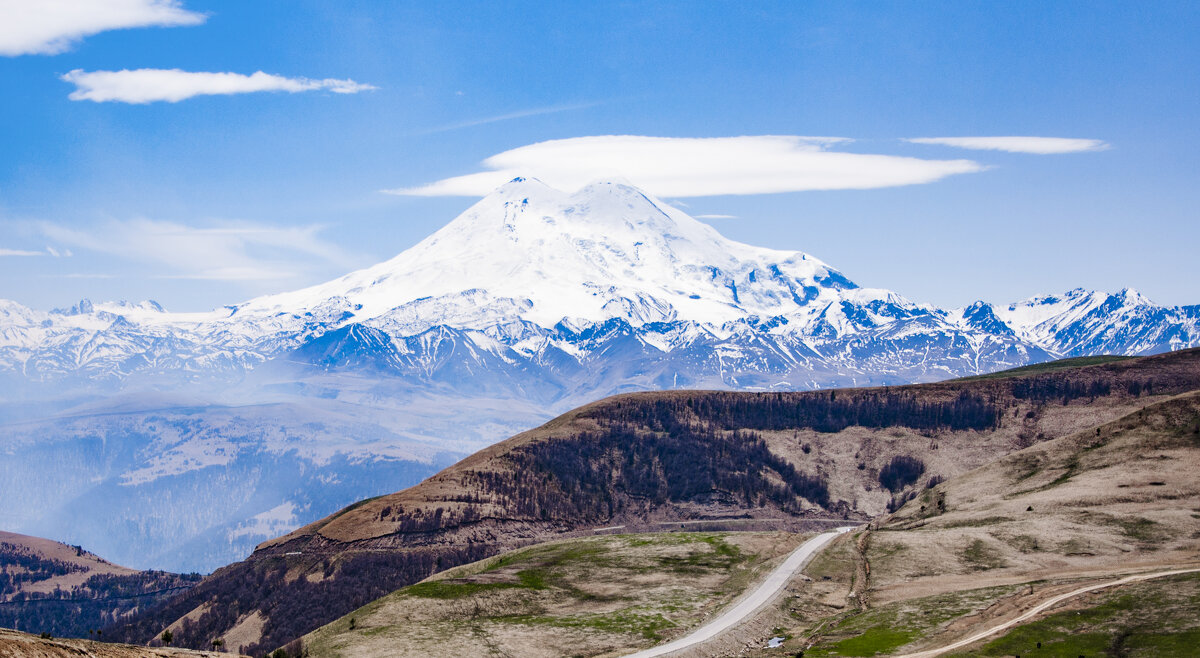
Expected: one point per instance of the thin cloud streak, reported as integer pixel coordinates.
(49, 27)
(538, 111)
(242, 252)
(143, 86)
(715, 216)
(20, 252)
(1016, 144)
(689, 167)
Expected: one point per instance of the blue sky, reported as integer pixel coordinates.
(212, 199)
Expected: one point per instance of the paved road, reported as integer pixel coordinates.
(1042, 607)
(749, 603)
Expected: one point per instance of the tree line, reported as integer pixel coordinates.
(826, 412)
(595, 476)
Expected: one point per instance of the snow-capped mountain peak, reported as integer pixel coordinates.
(606, 251)
(530, 302)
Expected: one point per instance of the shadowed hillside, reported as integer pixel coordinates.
(655, 460)
(49, 587)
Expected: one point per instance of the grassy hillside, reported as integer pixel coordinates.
(785, 461)
(1153, 619)
(1118, 498)
(50, 587)
(592, 596)
(1051, 366)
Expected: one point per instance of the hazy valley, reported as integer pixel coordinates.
(530, 303)
(712, 461)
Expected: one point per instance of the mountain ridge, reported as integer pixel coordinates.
(526, 262)
(652, 460)
(530, 303)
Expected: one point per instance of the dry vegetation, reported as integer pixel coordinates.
(598, 596)
(14, 644)
(793, 461)
(1114, 499)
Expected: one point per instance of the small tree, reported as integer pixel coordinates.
(167, 636)
(901, 472)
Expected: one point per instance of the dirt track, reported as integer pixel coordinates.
(1042, 607)
(751, 602)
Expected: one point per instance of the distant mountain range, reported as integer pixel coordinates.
(273, 412)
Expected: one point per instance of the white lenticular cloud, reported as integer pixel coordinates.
(173, 85)
(1035, 145)
(48, 27)
(690, 167)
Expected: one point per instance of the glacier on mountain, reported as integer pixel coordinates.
(530, 302)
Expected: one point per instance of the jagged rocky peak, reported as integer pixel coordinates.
(982, 316)
(87, 307)
(84, 307)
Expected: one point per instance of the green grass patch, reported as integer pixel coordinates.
(1049, 366)
(1169, 645)
(1159, 618)
(981, 557)
(722, 557)
(1024, 543)
(885, 629)
(628, 621)
(873, 642)
(978, 523)
(1143, 530)
(443, 589)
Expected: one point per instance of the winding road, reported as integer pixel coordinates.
(750, 602)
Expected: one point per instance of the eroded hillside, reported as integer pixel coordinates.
(654, 460)
(1107, 502)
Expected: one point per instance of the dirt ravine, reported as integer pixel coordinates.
(1042, 607)
(750, 603)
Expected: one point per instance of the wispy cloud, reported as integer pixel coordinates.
(47, 27)
(689, 167)
(520, 114)
(230, 252)
(1035, 145)
(50, 251)
(715, 216)
(141, 86)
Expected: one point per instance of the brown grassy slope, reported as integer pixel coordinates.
(527, 489)
(590, 596)
(1117, 498)
(82, 564)
(50, 587)
(828, 454)
(14, 644)
(1123, 494)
